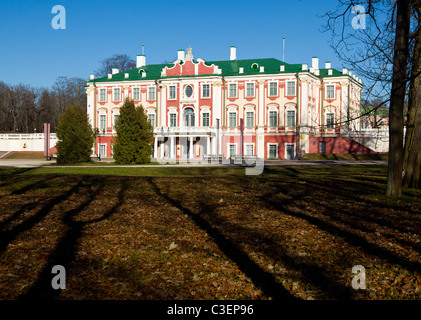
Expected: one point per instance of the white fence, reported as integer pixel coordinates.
(374, 139)
(25, 141)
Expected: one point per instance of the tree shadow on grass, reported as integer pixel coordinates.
(260, 278)
(8, 236)
(311, 273)
(65, 251)
(347, 235)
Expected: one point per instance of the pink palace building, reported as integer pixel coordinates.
(264, 108)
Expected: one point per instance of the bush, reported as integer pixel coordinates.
(133, 143)
(75, 136)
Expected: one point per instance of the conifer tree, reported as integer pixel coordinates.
(75, 136)
(133, 143)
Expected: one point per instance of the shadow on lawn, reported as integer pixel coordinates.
(260, 278)
(8, 236)
(345, 232)
(64, 252)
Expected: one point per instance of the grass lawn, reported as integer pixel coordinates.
(207, 233)
(26, 155)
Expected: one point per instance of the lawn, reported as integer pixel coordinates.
(207, 233)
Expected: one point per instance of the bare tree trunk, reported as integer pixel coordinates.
(412, 151)
(397, 99)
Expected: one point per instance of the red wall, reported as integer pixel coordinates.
(338, 145)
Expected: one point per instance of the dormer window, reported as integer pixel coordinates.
(254, 66)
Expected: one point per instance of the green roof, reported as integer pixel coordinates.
(229, 68)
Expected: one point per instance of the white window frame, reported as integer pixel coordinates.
(286, 118)
(285, 149)
(114, 119)
(276, 88)
(102, 116)
(276, 118)
(247, 90)
(327, 91)
(138, 90)
(203, 117)
(154, 119)
(229, 119)
(229, 90)
(114, 94)
(245, 149)
(105, 95)
(203, 90)
(276, 149)
(286, 88)
(149, 93)
(330, 125)
(169, 119)
(229, 149)
(246, 124)
(175, 92)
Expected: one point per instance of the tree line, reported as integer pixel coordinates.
(25, 108)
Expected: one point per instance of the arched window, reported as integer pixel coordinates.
(188, 117)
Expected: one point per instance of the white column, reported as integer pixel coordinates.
(172, 147)
(155, 148)
(191, 147)
(208, 150)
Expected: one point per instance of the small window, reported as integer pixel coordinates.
(117, 94)
(249, 119)
(173, 120)
(273, 151)
(249, 150)
(290, 118)
(151, 93)
(189, 91)
(249, 89)
(115, 119)
(172, 94)
(322, 147)
(205, 119)
(151, 118)
(273, 89)
(330, 92)
(254, 66)
(136, 94)
(232, 92)
(314, 143)
(102, 95)
(273, 118)
(206, 90)
(232, 119)
(102, 121)
(290, 88)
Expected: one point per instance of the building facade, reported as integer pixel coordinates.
(256, 107)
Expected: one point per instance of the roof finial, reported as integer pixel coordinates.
(189, 55)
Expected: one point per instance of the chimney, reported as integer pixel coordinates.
(282, 68)
(304, 66)
(328, 65)
(315, 63)
(110, 76)
(241, 70)
(92, 77)
(126, 75)
(330, 72)
(344, 71)
(141, 61)
(114, 70)
(233, 53)
(180, 55)
(262, 69)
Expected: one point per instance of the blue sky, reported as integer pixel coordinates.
(34, 53)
